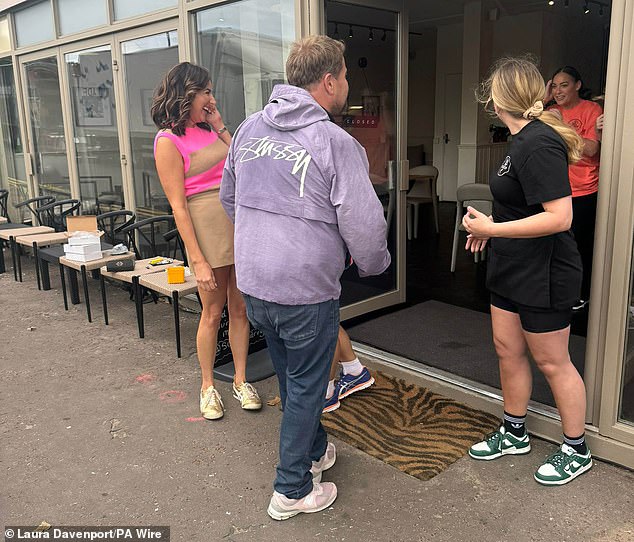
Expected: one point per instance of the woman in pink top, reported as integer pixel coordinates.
(190, 149)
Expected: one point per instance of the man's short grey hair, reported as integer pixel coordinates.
(313, 57)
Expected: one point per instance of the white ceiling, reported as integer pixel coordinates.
(431, 13)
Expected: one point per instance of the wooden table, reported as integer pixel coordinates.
(35, 242)
(83, 268)
(141, 268)
(157, 282)
(10, 235)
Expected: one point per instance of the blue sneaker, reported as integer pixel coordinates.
(349, 384)
(333, 402)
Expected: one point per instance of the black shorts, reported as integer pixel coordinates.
(534, 319)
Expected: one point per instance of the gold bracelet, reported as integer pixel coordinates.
(222, 130)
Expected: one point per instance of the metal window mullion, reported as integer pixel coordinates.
(69, 126)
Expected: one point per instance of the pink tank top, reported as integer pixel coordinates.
(203, 157)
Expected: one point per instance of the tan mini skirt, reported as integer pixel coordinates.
(214, 230)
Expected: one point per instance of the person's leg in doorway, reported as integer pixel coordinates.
(354, 376)
(584, 209)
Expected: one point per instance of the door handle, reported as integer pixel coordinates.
(446, 138)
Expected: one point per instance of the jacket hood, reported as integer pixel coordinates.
(291, 108)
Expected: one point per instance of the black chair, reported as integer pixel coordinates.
(146, 237)
(33, 204)
(112, 224)
(4, 197)
(54, 214)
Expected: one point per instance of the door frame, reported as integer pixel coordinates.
(315, 23)
(33, 179)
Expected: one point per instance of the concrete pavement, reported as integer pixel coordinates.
(100, 427)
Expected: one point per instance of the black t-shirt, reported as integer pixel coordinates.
(543, 272)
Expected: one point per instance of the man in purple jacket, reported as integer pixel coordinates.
(297, 188)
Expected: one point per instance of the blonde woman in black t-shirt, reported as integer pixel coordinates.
(534, 270)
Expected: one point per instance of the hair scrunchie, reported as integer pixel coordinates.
(535, 111)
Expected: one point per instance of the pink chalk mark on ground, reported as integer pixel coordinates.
(173, 396)
(199, 419)
(146, 378)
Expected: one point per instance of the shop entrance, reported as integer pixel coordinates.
(443, 323)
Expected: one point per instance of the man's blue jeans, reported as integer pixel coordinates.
(301, 341)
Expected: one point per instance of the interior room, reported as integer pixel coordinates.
(444, 320)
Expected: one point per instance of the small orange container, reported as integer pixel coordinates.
(176, 274)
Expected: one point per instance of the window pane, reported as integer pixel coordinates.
(244, 45)
(11, 154)
(93, 13)
(5, 41)
(95, 129)
(34, 24)
(146, 60)
(125, 8)
(47, 125)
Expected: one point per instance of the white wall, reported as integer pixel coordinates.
(422, 91)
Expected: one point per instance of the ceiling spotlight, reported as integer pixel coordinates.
(586, 7)
(349, 31)
(371, 35)
(384, 36)
(551, 2)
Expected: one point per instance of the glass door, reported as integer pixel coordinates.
(12, 170)
(144, 61)
(376, 57)
(47, 141)
(96, 154)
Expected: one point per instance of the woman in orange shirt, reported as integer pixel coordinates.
(566, 88)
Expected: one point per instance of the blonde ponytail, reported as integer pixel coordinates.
(571, 138)
(516, 86)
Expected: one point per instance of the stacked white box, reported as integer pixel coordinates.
(83, 247)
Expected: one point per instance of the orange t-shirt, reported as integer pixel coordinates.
(584, 175)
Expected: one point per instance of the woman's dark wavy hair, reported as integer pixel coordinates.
(584, 93)
(173, 97)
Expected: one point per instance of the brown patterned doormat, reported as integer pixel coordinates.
(419, 432)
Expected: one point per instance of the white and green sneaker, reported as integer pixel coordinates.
(562, 466)
(500, 443)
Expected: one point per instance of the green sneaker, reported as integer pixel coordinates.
(500, 443)
(562, 466)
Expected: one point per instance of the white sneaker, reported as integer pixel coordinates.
(211, 405)
(325, 462)
(320, 498)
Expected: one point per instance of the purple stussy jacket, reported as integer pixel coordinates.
(297, 188)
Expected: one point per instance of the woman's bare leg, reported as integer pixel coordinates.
(207, 336)
(550, 351)
(239, 327)
(515, 371)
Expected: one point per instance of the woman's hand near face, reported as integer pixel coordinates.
(548, 92)
(214, 119)
(205, 276)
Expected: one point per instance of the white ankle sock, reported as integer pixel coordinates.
(331, 389)
(353, 367)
